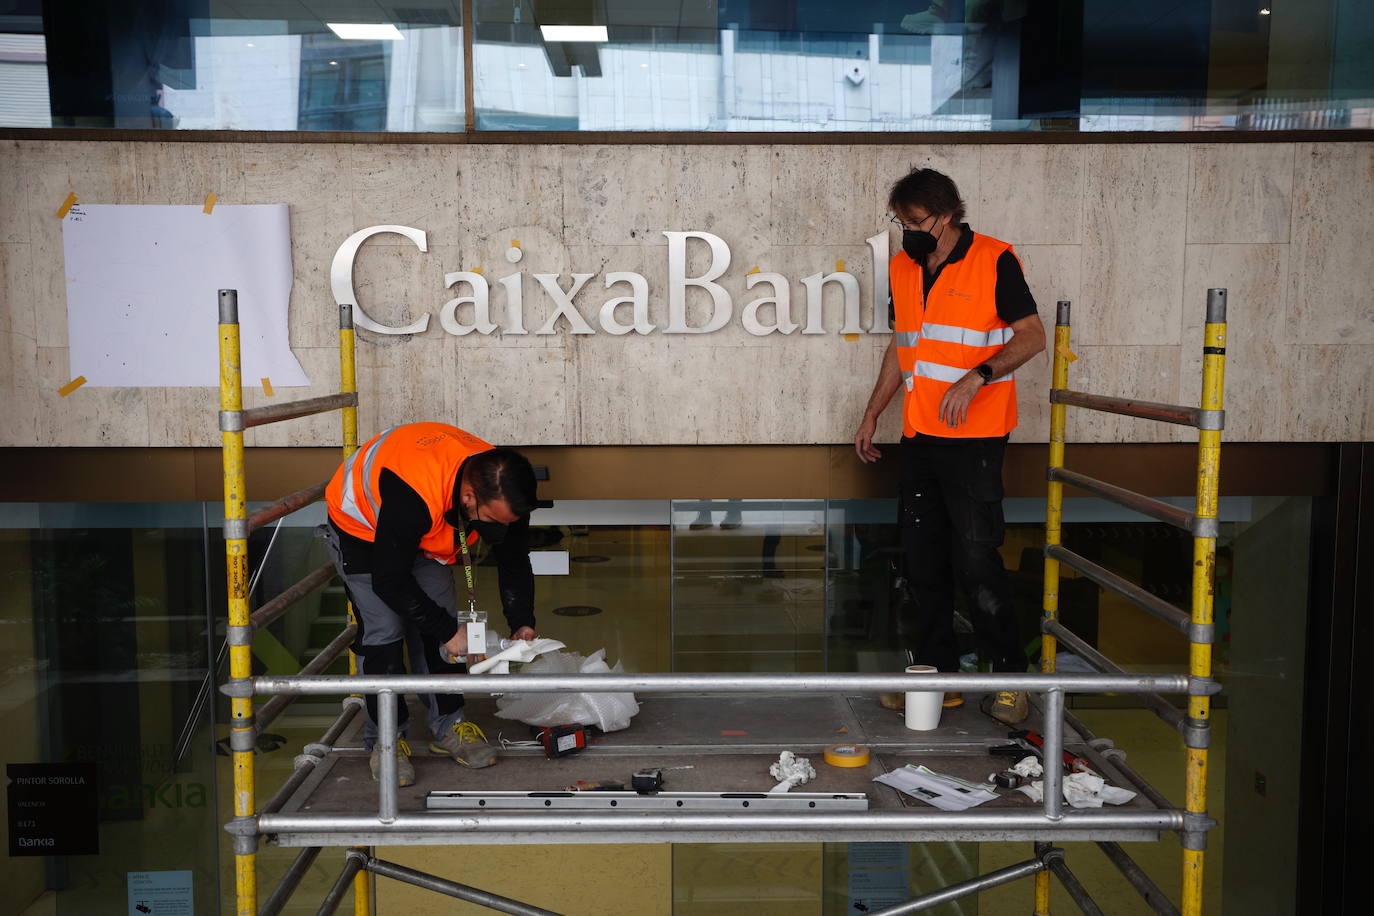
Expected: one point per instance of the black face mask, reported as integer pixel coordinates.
(491, 532)
(917, 243)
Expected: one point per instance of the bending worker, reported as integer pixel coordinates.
(963, 320)
(402, 510)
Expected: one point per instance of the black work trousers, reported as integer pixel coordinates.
(951, 524)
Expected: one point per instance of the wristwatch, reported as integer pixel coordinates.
(984, 370)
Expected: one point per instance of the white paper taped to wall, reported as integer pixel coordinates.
(142, 292)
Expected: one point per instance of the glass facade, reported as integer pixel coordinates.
(673, 65)
(115, 626)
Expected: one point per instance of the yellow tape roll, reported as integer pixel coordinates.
(846, 755)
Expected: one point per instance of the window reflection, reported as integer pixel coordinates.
(728, 65)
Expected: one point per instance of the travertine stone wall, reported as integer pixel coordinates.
(1132, 234)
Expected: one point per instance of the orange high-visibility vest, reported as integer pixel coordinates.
(939, 340)
(427, 457)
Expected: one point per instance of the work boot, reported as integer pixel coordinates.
(466, 744)
(1009, 706)
(405, 772)
(953, 699)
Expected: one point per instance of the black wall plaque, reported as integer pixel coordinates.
(53, 809)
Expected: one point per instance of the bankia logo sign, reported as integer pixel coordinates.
(624, 309)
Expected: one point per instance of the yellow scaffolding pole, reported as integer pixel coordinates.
(348, 384)
(237, 525)
(1204, 569)
(1054, 513)
(243, 733)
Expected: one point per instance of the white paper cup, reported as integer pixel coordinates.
(923, 706)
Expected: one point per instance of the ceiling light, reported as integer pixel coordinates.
(366, 31)
(1264, 11)
(249, 44)
(333, 63)
(574, 32)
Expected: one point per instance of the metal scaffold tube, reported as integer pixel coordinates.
(965, 888)
(290, 881)
(313, 752)
(283, 507)
(970, 682)
(243, 733)
(1154, 898)
(1153, 701)
(779, 823)
(294, 410)
(1136, 502)
(453, 889)
(274, 707)
(279, 605)
(330, 904)
(1116, 758)
(1130, 407)
(1133, 593)
(1075, 889)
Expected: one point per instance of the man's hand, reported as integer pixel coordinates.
(954, 405)
(523, 633)
(863, 441)
(457, 647)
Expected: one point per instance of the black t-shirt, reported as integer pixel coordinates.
(1013, 296)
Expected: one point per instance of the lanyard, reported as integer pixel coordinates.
(467, 569)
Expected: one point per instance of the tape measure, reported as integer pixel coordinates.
(847, 755)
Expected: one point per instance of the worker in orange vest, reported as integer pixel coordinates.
(963, 321)
(403, 509)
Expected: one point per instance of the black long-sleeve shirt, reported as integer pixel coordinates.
(403, 519)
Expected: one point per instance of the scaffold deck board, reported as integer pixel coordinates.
(729, 743)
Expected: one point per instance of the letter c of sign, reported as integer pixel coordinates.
(341, 277)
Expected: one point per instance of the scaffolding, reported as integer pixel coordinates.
(389, 825)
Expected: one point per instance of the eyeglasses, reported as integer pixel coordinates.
(914, 227)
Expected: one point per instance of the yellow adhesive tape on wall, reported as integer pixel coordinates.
(846, 755)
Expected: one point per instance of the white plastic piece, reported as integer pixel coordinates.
(512, 650)
(792, 771)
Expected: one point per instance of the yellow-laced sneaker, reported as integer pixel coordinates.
(1009, 706)
(405, 771)
(466, 744)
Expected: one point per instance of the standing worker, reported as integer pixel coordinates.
(402, 510)
(963, 321)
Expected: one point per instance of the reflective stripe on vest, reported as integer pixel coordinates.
(907, 339)
(348, 504)
(950, 374)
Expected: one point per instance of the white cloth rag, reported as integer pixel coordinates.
(1082, 790)
(522, 650)
(792, 771)
(1029, 766)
